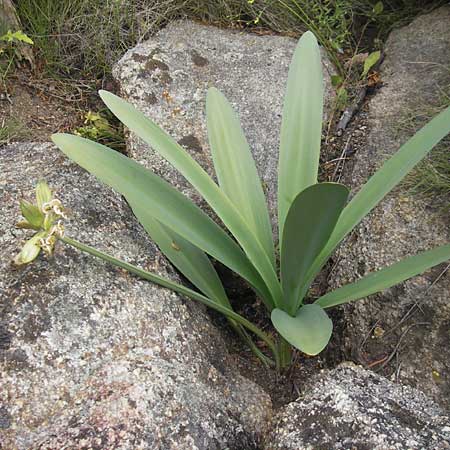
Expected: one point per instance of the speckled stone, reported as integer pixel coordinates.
(352, 408)
(92, 357)
(416, 65)
(167, 78)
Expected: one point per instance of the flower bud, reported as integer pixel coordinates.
(30, 250)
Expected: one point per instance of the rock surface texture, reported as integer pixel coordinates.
(91, 357)
(404, 331)
(352, 408)
(168, 76)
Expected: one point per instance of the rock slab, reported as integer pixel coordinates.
(92, 357)
(352, 408)
(404, 332)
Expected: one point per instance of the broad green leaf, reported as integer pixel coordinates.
(187, 258)
(235, 168)
(370, 61)
(309, 331)
(301, 127)
(192, 263)
(141, 186)
(43, 193)
(385, 278)
(309, 224)
(232, 218)
(382, 182)
(32, 213)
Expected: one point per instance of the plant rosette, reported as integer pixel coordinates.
(313, 217)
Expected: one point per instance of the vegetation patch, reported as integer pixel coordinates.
(86, 37)
(431, 179)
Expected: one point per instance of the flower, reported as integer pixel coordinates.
(44, 217)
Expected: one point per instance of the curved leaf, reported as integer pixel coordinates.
(167, 205)
(309, 331)
(301, 127)
(235, 168)
(385, 278)
(382, 182)
(309, 224)
(187, 258)
(169, 149)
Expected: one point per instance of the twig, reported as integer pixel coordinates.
(394, 352)
(375, 363)
(342, 158)
(417, 302)
(351, 110)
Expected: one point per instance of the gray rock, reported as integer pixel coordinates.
(407, 326)
(92, 357)
(167, 78)
(352, 408)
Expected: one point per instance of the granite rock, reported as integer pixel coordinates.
(404, 331)
(92, 357)
(353, 408)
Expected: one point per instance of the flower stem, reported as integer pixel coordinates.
(182, 290)
(285, 350)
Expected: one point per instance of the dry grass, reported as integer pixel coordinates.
(431, 179)
(83, 38)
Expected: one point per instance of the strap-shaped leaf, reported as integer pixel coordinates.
(309, 331)
(235, 168)
(382, 182)
(194, 265)
(167, 205)
(301, 126)
(169, 149)
(385, 278)
(309, 224)
(187, 258)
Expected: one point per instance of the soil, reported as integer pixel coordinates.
(47, 106)
(42, 106)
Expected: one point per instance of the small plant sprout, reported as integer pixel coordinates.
(313, 218)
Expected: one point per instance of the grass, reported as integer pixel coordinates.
(11, 130)
(431, 179)
(84, 38)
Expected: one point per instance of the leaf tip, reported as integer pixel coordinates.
(308, 36)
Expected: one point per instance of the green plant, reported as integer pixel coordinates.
(44, 218)
(11, 129)
(99, 127)
(313, 218)
(430, 180)
(8, 48)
